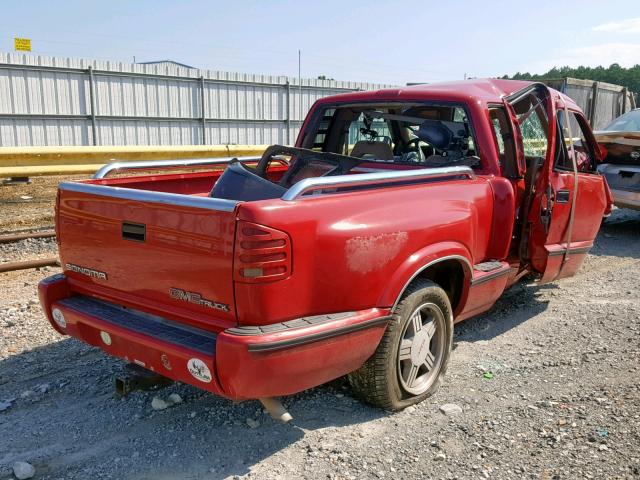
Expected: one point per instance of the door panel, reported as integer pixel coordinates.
(533, 116)
(555, 244)
(549, 258)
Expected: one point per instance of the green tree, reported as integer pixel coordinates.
(614, 73)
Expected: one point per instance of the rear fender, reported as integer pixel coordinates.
(424, 258)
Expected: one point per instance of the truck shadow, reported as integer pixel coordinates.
(517, 305)
(64, 391)
(619, 235)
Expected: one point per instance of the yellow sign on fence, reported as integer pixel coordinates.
(22, 44)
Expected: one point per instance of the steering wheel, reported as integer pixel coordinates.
(416, 147)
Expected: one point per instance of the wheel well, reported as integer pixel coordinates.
(449, 275)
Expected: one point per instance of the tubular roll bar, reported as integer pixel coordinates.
(379, 178)
(172, 164)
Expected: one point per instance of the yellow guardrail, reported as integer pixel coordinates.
(36, 161)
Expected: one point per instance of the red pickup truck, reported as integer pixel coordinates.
(398, 213)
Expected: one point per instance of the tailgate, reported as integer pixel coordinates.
(156, 251)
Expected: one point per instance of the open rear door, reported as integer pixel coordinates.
(557, 229)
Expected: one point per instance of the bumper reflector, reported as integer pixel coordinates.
(58, 317)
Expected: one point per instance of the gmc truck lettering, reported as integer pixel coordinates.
(197, 299)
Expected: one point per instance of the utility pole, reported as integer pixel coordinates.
(300, 85)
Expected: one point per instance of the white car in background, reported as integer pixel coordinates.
(621, 138)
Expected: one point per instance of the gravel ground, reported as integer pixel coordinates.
(563, 401)
(28, 249)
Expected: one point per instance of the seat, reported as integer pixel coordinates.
(310, 169)
(377, 150)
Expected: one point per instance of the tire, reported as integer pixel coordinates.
(390, 378)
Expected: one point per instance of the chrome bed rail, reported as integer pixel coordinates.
(170, 164)
(374, 179)
(133, 194)
(297, 191)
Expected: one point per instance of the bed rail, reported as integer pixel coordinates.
(171, 164)
(165, 198)
(374, 179)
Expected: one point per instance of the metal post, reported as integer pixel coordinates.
(287, 119)
(204, 116)
(299, 85)
(92, 106)
(594, 103)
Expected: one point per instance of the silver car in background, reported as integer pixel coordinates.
(621, 138)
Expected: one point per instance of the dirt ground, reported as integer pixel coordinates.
(28, 206)
(563, 401)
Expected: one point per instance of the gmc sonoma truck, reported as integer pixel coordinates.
(398, 213)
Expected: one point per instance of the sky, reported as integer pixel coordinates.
(374, 41)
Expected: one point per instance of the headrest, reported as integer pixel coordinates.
(378, 150)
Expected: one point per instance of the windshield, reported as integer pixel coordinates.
(426, 135)
(629, 122)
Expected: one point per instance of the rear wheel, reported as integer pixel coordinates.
(414, 352)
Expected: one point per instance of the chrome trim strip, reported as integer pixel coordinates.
(491, 276)
(424, 267)
(159, 164)
(572, 250)
(147, 196)
(379, 178)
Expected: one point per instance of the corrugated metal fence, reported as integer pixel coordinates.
(52, 101)
(600, 101)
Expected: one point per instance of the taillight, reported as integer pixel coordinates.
(262, 254)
